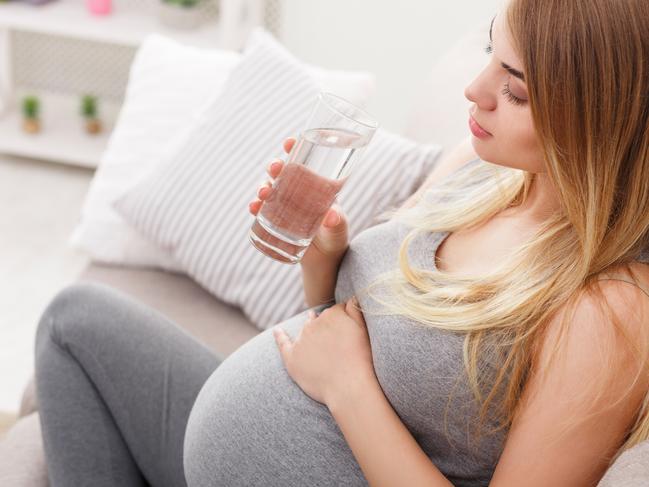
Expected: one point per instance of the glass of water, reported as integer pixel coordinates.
(320, 162)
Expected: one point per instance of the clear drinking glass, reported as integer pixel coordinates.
(332, 142)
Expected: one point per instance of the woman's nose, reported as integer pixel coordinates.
(483, 93)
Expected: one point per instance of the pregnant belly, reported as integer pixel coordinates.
(251, 425)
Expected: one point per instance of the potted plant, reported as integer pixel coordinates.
(181, 14)
(89, 113)
(31, 109)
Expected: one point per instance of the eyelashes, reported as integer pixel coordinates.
(511, 97)
(506, 91)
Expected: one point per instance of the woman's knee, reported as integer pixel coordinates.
(73, 310)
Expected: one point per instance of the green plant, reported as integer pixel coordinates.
(31, 106)
(183, 3)
(89, 106)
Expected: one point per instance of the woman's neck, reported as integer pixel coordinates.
(541, 202)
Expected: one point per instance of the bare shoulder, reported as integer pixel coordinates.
(450, 161)
(626, 290)
(605, 313)
(578, 405)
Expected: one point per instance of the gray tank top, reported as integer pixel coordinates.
(266, 431)
(420, 367)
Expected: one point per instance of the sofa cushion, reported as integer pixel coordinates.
(22, 459)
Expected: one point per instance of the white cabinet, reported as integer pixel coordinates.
(59, 51)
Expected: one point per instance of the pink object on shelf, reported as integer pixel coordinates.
(99, 7)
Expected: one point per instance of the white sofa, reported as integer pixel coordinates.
(439, 115)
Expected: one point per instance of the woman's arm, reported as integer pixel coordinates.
(319, 283)
(573, 420)
(387, 453)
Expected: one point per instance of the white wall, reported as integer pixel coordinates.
(399, 41)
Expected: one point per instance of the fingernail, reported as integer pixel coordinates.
(275, 165)
(333, 219)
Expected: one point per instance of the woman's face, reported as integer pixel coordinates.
(500, 118)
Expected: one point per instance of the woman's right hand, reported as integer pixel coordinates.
(332, 238)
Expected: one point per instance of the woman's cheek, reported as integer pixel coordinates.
(518, 144)
(530, 149)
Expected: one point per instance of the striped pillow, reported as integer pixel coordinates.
(195, 204)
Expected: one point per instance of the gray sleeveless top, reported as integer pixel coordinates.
(264, 430)
(420, 368)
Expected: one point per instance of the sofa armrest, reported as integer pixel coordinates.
(28, 404)
(22, 460)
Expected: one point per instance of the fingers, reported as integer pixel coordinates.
(335, 218)
(263, 192)
(254, 207)
(352, 305)
(274, 168)
(282, 340)
(281, 335)
(289, 143)
(332, 218)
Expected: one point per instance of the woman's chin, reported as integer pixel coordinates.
(480, 146)
(487, 151)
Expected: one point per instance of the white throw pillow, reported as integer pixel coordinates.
(169, 85)
(196, 204)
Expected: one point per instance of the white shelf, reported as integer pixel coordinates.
(62, 137)
(70, 18)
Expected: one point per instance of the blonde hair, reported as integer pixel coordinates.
(587, 73)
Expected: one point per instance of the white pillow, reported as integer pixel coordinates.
(196, 204)
(169, 85)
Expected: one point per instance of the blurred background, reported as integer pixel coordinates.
(64, 67)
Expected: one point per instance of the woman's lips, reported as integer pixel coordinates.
(477, 130)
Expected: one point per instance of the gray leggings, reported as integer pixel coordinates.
(116, 382)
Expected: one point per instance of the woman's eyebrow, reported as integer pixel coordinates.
(514, 72)
(491, 28)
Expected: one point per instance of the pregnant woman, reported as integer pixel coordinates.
(494, 331)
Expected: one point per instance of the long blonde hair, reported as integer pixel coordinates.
(587, 73)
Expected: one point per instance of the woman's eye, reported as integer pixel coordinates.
(511, 97)
(489, 48)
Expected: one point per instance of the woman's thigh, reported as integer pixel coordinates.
(106, 362)
(252, 425)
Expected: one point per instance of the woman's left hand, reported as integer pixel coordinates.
(331, 353)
